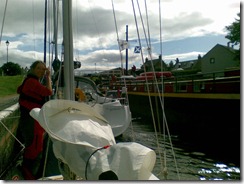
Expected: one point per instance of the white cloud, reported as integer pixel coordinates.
(94, 30)
(185, 56)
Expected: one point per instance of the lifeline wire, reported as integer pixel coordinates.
(12, 134)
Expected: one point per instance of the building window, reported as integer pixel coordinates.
(212, 60)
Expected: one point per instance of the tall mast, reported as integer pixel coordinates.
(55, 28)
(126, 51)
(68, 50)
(45, 33)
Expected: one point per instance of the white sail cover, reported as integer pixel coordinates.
(77, 131)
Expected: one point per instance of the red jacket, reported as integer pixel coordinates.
(32, 93)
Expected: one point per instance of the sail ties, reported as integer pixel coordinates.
(69, 109)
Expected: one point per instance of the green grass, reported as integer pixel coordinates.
(9, 84)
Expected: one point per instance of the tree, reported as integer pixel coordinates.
(234, 34)
(11, 69)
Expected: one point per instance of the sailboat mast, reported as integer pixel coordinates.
(68, 50)
(45, 33)
(126, 51)
(55, 28)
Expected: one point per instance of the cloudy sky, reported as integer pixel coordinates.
(188, 28)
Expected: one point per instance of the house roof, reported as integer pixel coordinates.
(196, 63)
(227, 48)
(190, 64)
(231, 49)
(218, 49)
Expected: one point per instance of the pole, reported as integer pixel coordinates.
(45, 32)
(55, 28)
(7, 53)
(126, 51)
(69, 92)
(7, 44)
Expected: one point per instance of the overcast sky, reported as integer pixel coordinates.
(189, 28)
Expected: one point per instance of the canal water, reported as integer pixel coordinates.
(184, 163)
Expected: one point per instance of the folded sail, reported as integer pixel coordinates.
(78, 133)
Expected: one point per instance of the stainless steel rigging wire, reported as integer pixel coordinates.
(149, 98)
(4, 15)
(157, 88)
(116, 27)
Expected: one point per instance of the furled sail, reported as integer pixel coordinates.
(84, 141)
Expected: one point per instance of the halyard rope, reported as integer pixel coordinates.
(157, 87)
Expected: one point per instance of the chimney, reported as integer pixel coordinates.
(228, 44)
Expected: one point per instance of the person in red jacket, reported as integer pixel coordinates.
(33, 94)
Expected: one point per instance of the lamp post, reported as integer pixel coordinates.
(7, 44)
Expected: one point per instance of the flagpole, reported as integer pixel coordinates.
(126, 51)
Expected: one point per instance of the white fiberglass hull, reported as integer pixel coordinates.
(118, 115)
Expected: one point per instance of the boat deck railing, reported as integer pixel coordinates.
(216, 82)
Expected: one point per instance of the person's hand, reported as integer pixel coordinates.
(48, 79)
(48, 73)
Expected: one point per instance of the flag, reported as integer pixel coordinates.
(123, 44)
(137, 49)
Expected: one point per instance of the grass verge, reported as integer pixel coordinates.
(9, 84)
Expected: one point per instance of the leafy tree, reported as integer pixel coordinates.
(234, 31)
(234, 34)
(11, 69)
